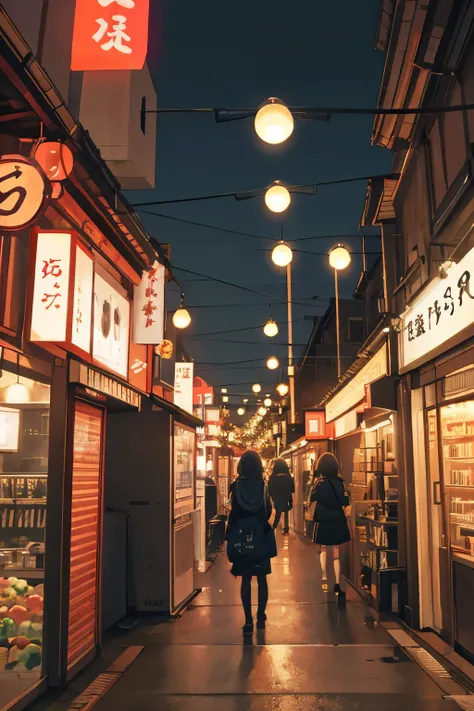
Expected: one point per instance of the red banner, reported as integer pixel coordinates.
(110, 34)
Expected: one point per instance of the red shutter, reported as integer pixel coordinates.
(86, 531)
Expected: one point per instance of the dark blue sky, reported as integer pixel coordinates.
(209, 55)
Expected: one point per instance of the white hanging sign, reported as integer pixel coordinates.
(183, 386)
(149, 307)
(441, 317)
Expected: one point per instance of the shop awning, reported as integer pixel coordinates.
(186, 418)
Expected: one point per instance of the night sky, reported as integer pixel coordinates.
(209, 55)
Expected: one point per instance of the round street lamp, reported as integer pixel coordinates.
(282, 255)
(339, 257)
(181, 317)
(262, 411)
(273, 363)
(267, 402)
(241, 411)
(274, 122)
(256, 388)
(277, 197)
(282, 389)
(270, 329)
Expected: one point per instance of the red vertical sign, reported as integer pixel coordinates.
(110, 34)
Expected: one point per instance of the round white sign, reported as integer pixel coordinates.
(24, 190)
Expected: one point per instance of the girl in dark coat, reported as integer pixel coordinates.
(331, 529)
(249, 497)
(281, 487)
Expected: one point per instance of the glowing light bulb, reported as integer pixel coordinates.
(256, 387)
(273, 363)
(270, 329)
(274, 122)
(339, 257)
(181, 318)
(282, 389)
(277, 198)
(282, 255)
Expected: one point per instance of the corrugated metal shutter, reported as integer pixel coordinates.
(85, 531)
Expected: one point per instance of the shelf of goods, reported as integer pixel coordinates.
(458, 459)
(376, 567)
(22, 528)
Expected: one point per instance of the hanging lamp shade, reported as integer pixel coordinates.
(274, 122)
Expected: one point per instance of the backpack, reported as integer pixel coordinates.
(247, 539)
(251, 538)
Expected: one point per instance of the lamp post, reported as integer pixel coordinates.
(282, 256)
(339, 258)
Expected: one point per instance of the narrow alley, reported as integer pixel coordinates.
(314, 654)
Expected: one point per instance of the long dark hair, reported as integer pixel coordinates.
(250, 465)
(327, 466)
(280, 466)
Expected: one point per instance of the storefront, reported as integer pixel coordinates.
(25, 395)
(364, 416)
(437, 395)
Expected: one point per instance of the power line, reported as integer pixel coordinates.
(255, 193)
(238, 330)
(244, 288)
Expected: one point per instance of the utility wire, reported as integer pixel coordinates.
(244, 288)
(238, 330)
(218, 196)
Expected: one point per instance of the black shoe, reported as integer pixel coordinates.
(247, 628)
(261, 621)
(341, 595)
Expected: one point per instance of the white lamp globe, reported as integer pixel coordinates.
(277, 198)
(267, 402)
(241, 411)
(181, 318)
(282, 255)
(256, 387)
(339, 257)
(17, 394)
(282, 389)
(274, 122)
(262, 411)
(270, 329)
(273, 363)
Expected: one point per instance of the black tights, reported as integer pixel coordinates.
(246, 595)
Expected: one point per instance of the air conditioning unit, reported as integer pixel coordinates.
(381, 305)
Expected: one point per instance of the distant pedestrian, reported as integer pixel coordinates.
(250, 539)
(281, 487)
(331, 530)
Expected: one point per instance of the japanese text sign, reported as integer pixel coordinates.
(355, 390)
(62, 273)
(438, 317)
(315, 425)
(52, 276)
(110, 342)
(149, 307)
(110, 34)
(183, 386)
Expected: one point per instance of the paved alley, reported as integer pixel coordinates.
(314, 654)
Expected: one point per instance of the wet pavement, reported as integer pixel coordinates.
(315, 655)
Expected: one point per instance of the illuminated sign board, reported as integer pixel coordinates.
(355, 391)
(62, 276)
(149, 307)
(441, 317)
(183, 386)
(110, 341)
(110, 34)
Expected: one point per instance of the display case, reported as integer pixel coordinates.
(457, 433)
(377, 569)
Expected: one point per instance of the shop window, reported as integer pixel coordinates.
(355, 330)
(457, 431)
(24, 430)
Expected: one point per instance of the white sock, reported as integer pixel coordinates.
(323, 556)
(337, 570)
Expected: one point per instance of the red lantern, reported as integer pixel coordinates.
(55, 158)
